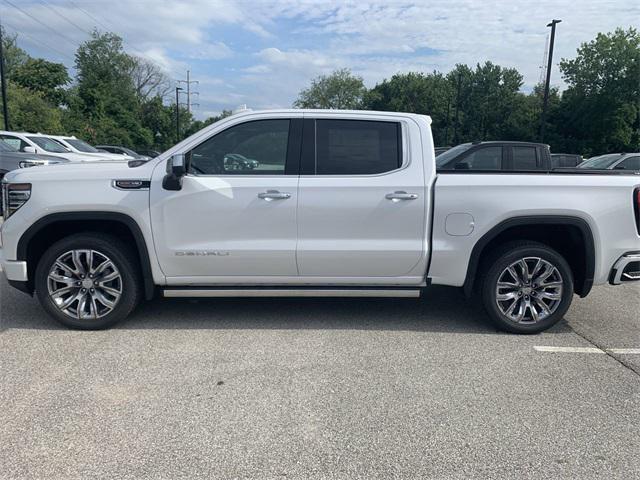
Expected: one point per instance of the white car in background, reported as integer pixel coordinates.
(81, 147)
(44, 145)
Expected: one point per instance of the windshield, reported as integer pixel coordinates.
(445, 157)
(5, 147)
(130, 152)
(48, 144)
(602, 162)
(81, 145)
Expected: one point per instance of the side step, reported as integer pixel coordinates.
(290, 292)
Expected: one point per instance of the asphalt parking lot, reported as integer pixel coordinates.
(310, 388)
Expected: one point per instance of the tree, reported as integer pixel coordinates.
(415, 92)
(340, 90)
(30, 111)
(148, 78)
(45, 77)
(601, 106)
(107, 96)
(200, 124)
(13, 55)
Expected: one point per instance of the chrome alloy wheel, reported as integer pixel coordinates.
(529, 290)
(84, 284)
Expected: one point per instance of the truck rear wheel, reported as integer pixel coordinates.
(88, 281)
(527, 288)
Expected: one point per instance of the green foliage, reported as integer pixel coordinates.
(200, 124)
(47, 78)
(13, 55)
(30, 111)
(340, 90)
(600, 110)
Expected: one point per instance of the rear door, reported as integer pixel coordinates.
(362, 203)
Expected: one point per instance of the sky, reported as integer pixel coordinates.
(263, 52)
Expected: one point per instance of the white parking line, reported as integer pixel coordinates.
(619, 351)
(568, 349)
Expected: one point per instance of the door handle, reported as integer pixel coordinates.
(274, 195)
(400, 195)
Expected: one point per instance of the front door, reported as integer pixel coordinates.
(235, 216)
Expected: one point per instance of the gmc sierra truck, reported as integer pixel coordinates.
(338, 203)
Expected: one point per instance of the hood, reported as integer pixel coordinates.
(104, 156)
(82, 170)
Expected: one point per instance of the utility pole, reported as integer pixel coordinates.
(188, 83)
(3, 82)
(545, 100)
(178, 114)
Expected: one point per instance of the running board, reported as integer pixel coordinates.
(290, 292)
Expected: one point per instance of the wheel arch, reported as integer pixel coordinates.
(544, 229)
(31, 244)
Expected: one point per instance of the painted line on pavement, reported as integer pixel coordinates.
(618, 351)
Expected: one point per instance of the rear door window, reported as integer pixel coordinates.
(525, 158)
(357, 147)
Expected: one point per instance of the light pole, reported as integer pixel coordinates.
(178, 114)
(545, 100)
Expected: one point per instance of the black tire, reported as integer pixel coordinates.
(495, 267)
(120, 255)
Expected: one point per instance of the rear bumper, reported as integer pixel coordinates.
(626, 269)
(14, 270)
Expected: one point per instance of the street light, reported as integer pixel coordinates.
(178, 114)
(545, 100)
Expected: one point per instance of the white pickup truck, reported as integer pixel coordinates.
(316, 203)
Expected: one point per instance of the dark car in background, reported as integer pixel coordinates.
(613, 161)
(12, 159)
(496, 156)
(149, 153)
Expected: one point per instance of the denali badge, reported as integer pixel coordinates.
(201, 253)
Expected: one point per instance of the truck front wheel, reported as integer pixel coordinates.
(88, 281)
(527, 288)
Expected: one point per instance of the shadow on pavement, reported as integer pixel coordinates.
(442, 309)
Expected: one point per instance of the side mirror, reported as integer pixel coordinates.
(176, 169)
(619, 167)
(29, 149)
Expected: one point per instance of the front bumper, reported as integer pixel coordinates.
(15, 271)
(626, 269)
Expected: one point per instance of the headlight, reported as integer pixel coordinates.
(36, 163)
(14, 195)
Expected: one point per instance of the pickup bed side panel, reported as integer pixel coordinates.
(467, 206)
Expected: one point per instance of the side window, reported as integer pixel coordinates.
(631, 163)
(486, 158)
(252, 148)
(525, 158)
(15, 142)
(357, 147)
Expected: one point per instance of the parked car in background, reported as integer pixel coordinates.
(440, 150)
(613, 161)
(80, 146)
(123, 151)
(565, 160)
(496, 155)
(12, 159)
(343, 204)
(148, 153)
(41, 144)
